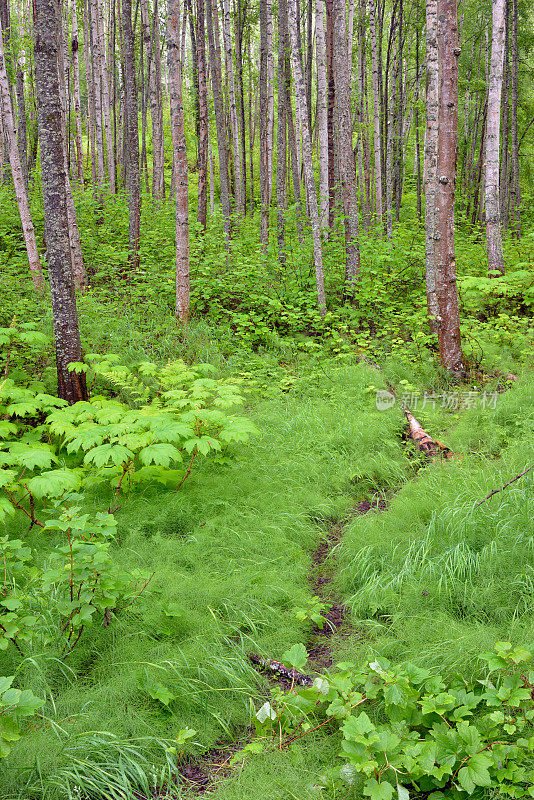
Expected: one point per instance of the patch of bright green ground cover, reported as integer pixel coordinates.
(435, 579)
(231, 554)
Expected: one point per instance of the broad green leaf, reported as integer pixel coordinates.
(296, 657)
(55, 483)
(357, 726)
(378, 791)
(106, 454)
(161, 454)
(33, 456)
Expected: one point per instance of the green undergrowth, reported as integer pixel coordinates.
(230, 553)
(436, 578)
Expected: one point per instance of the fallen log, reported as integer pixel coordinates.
(430, 447)
(277, 668)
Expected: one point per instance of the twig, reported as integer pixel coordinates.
(495, 491)
(187, 474)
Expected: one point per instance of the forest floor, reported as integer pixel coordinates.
(331, 500)
(251, 539)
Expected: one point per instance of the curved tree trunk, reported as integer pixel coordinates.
(18, 175)
(71, 385)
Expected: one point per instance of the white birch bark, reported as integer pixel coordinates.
(77, 101)
(181, 187)
(309, 178)
(106, 97)
(234, 128)
(493, 211)
(431, 154)
(376, 115)
(10, 136)
(322, 112)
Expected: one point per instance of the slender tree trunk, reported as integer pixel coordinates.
(330, 111)
(17, 172)
(322, 113)
(504, 187)
(181, 187)
(516, 187)
(106, 102)
(450, 348)
(343, 138)
(92, 8)
(264, 125)
(300, 102)
(91, 112)
(493, 215)
(220, 123)
(133, 178)
(236, 142)
(390, 139)
(417, 135)
(431, 154)
(77, 101)
(202, 209)
(376, 116)
(22, 133)
(71, 385)
(270, 102)
(281, 137)
(240, 25)
(156, 111)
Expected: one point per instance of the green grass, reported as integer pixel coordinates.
(436, 579)
(232, 550)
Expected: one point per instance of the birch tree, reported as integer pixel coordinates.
(181, 186)
(264, 124)
(431, 153)
(17, 173)
(202, 207)
(133, 178)
(448, 319)
(376, 115)
(232, 107)
(220, 124)
(322, 112)
(493, 124)
(46, 29)
(343, 139)
(309, 178)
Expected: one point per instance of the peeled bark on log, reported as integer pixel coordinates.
(277, 668)
(430, 447)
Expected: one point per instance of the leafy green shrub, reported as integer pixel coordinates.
(167, 413)
(422, 734)
(15, 704)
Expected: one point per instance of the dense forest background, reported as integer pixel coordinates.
(266, 399)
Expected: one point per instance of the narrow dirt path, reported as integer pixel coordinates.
(323, 566)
